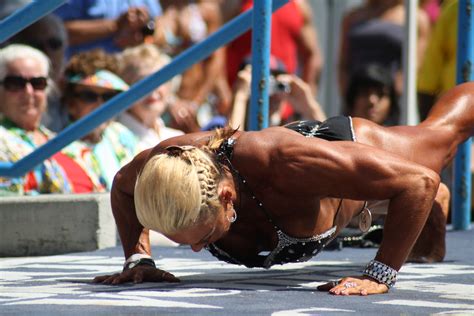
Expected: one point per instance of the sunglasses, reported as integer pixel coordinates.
(18, 83)
(89, 96)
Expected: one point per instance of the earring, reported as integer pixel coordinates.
(234, 216)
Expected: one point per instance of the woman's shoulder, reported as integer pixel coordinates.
(266, 145)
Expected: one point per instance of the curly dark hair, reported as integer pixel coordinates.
(87, 63)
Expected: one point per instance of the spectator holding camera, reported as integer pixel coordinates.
(107, 24)
(284, 88)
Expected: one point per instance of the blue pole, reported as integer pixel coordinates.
(121, 102)
(26, 16)
(461, 206)
(261, 31)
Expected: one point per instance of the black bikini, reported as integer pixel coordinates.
(288, 249)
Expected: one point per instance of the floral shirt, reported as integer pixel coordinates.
(48, 177)
(117, 147)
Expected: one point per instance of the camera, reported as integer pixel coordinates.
(149, 28)
(276, 86)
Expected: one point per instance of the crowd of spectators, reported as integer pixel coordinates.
(67, 64)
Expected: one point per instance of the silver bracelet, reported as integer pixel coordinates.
(381, 272)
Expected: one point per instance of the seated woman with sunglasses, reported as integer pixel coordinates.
(91, 81)
(24, 87)
(274, 196)
(48, 35)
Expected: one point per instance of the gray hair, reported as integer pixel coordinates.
(19, 51)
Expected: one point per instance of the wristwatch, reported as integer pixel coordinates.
(138, 260)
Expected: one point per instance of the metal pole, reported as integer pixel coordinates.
(121, 102)
(261, 33)
(461, 205)
(409, 111)
(26, 16)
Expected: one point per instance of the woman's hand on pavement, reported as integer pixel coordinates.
(138, 274)
(354, 286)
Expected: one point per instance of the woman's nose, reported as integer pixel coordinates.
(373, 98)
(29, 88)
(155, 95)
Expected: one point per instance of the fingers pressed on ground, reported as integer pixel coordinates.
(100, 279)
(138, 277)
(170, 277)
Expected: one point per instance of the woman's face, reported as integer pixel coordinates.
(204, 233)
(23, 93)
(84, 100)
(372, 103)
(152, 106)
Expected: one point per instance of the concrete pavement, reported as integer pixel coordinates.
(58, 285)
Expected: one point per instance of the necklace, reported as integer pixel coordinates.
(365, 218)
(224, 154)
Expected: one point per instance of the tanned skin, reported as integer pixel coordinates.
(300, 180)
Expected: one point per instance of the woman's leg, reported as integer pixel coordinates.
(431, 245)
(432, 143)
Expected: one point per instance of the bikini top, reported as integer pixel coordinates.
(288, 249)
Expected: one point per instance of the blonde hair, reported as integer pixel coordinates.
(179, 188)
(145, 58)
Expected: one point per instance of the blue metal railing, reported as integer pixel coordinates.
(261, 31)
(119, 103)
(26, 16)
(461, 203)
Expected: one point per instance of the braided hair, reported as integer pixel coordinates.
(178, 188)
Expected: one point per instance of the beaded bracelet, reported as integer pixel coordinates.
(381, 272)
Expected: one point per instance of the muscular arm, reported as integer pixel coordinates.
(134, 237)
(355, 171)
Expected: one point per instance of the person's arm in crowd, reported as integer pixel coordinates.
(241, 98)
(84, 31)
(216, 62)
(302, 98)
(424, 30)
(308, 48)
(343, 54)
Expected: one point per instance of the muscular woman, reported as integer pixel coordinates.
(273, 196)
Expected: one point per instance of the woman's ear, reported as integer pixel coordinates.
(226, 191)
